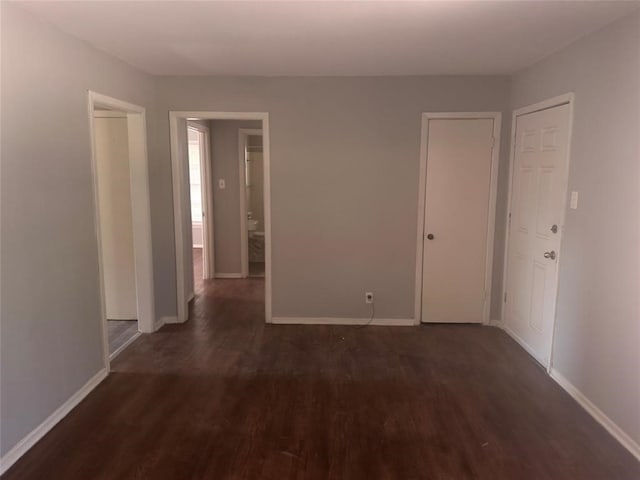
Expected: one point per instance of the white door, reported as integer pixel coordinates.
(538, 199)
(458, 186)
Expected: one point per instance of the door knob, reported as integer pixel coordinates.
(551, 255)
(430, 236)
(554, 228)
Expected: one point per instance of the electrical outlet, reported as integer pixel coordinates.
(368, 297)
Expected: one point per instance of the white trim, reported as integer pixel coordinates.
(391, 322)
(41, 430)
(495, 322)
(121, 348)
(178, 188)
(177, 180)
(610, 426)
(230, 275)
(140, 210)
(567, 98)
(243, 135)
(618, 433)
(159, 323)
(108, 114)
(491, 219)
(169, 320)
(545, 104)
(520, 341)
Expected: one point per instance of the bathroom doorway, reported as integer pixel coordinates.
(252, 202)
(237, 140)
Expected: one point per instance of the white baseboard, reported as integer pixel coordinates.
(496, 323)
(168, 320)
(121, 318)
(120, 349)
(523, 344)
(625, 440)
(229, 275)
(392, 322)
(41, 430)
(609, 425)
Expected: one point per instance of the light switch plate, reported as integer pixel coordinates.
(573, 202)
(222, 184)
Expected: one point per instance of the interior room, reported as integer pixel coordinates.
(116, 227)
(384, 240)
(254, 192)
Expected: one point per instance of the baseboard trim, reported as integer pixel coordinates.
(121, 348)
(168, 320)
(123, 318)
(229, 275)
(523, 344)
(389, 322)
(41, 430)
(609, 425)
(496, 322)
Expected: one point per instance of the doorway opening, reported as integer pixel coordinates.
(252, 209)
(123, 223)
(198, 140)
(235, 177)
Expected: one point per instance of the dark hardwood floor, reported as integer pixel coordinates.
(225, 396)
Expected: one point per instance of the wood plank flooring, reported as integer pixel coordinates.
(120, 332)
(225, 396)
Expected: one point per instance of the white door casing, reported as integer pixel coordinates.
(182, 228)
(536, 217)
(458, 218)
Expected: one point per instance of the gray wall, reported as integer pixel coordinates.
(344, 166)
(51, 341)
(344, 202)
(597, 342)
(226, 203)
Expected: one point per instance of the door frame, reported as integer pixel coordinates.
(491, 219)
(565, 99)
(206, 168)
(243, 135)
(178, 183)
(140, 210)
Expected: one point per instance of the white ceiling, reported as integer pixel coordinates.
(330, 38)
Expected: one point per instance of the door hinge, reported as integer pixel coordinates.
(509, 221)
(505, 297)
